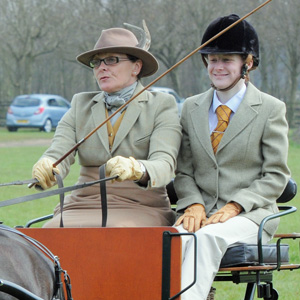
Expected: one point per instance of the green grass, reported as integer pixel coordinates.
(16, 164)
(23, 134)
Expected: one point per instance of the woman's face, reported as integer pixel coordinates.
(224, 69)
(113, 78)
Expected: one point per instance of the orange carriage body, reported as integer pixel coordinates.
(112, 263)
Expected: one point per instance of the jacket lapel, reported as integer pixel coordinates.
(200, 112)
(131, 115)
(98, 115)
(244, 115)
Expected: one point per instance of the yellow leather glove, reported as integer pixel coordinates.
(193, 219)
(124, 168)
(228, 211)
(43, 172)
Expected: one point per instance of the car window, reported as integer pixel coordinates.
(25, 102)
(62, 103)
(52, 102)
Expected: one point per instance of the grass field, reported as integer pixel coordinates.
(16, 163)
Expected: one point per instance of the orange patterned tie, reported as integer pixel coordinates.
(223, 113)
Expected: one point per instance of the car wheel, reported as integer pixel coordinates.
(47, 126)
(12, 129)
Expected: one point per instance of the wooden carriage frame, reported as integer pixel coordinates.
(145, 263)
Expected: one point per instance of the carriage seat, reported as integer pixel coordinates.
(247, 254)
(254, 263)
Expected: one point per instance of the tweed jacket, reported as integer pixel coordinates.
(150, 132)
(250, 165)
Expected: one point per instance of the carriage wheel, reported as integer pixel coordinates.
(274, 295)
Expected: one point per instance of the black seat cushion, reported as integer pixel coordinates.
(247, 254)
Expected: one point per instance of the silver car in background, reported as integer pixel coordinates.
(42, 111)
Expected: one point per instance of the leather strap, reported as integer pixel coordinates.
(103, 195)
(20, 182)
(61, 198)
(51, 192)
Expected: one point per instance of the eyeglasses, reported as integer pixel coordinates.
(111, 60)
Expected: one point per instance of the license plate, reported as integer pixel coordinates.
(22, 121)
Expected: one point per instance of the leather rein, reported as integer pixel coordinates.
(61, 190)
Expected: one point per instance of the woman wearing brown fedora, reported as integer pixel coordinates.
(139, 144)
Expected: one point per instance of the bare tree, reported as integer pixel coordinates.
(40, 40)
(289, 49)
(31, 32)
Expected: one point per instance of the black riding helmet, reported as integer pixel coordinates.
(240, 39)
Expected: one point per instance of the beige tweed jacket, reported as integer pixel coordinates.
(150, 132)
(250, 165)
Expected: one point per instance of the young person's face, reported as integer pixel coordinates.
(224, 69)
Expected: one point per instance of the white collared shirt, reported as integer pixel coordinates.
(233, 103)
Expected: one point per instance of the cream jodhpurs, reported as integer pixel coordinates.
(212, 243)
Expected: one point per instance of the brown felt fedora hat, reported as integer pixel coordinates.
(120, 40)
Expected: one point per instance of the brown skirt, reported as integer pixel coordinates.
(128, 205)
